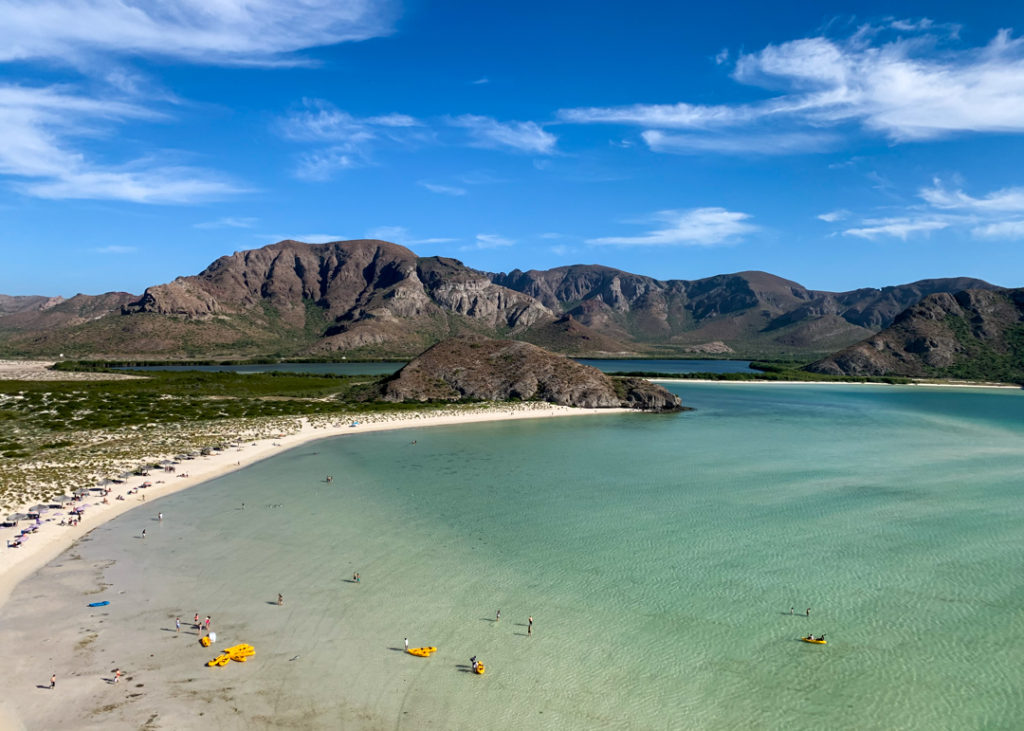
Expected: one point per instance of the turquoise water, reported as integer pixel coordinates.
(384, 367)
(658, 554)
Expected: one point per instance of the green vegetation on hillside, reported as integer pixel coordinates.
(982, 361)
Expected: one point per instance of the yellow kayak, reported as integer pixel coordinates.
(814, 642)
(479, 668)
(421, 651)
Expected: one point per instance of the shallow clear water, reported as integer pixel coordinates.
(658, 554)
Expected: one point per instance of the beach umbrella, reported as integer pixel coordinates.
(39, 508)
(62, 499)
(16, 517)
(165, 462)
(82, 491)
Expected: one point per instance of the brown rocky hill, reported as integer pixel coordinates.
(501, 370)
(748, 311)
(976, 334)
(374, 298)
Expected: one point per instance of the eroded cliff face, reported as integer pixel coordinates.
(974, 333)
(501, 370)
(368, 293)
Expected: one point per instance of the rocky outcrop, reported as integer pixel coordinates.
(503, 370)
(972, 334)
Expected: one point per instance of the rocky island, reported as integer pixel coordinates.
(503, 370)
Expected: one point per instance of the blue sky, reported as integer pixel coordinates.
(837, 144)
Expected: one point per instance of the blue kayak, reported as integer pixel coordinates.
(99, 604)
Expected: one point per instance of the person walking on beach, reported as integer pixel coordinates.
(117, 676)
(177, 624)
(53, 681)
(529, 627)
(207, 624)
(195, 620)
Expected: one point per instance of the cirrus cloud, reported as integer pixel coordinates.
(694, 227)
(519, 136)
(903, 89)
(235, 32)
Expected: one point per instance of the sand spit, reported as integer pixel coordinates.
(51, 539)
(39, 370)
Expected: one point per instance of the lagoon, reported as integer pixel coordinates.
(659, 556)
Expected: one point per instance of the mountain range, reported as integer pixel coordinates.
(370, 298)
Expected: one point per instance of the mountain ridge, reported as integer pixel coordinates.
(369, 297)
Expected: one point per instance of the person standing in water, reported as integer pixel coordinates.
(791, 611)
(143, 532)
(529, 627)
(808, 612)
(498, 618)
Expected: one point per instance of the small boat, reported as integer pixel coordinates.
(99, 604)
(810, 638)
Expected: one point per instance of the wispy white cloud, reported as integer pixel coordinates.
(694, 227)
(833, 216)
(897, 227)
(352, 139)
(520, 136)
(903, 88)
(198, 31)
(401, 235)
(227, 222)
(40, 126)
(321, 165)
(993, 215)
(442, 189)
(482, 80)
(551, 235)
(114, 249)
(489, 241)
(756, 144)
(722, 56)
(1002, 230)
(1007, 199)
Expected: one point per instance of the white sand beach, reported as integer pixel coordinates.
(51, 539)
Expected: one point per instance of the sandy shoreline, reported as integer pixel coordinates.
(762, 382)
(51, 540)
